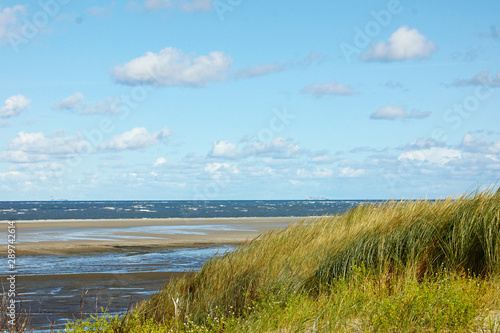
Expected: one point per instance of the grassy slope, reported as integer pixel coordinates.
(432, 263)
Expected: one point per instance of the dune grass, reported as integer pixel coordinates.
(397, 266)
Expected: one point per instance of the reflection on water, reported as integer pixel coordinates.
(55, 289)
(119, 232)
(130, 261)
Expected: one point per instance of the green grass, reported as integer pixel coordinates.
(398, 266)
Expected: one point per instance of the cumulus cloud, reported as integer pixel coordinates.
(224, 149)
(137, 138)
(403, 44)
(322, 157)
(221, 171)
(277, 148)
(171, 67)
(348, 172)
(70, 103)
(185, 5)
(391, 112)
(437, 155)
(108, 106)
(34, 147)
(160, 162)
(479, 145)
(75, 103)
(14, 105)
(331, 88)
(315, 173)
(10, 21)
(422, 143)
(481, 79)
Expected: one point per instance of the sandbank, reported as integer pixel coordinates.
(77, 236)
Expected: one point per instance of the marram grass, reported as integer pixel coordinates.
(397, 266)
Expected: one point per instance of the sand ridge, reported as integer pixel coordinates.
(116, 234)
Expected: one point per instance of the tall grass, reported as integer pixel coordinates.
(395, 244)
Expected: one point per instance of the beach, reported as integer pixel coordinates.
(69, 269)
(77, 236)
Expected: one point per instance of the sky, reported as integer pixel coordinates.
(237, 99)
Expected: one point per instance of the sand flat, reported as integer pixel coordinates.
(77, 236)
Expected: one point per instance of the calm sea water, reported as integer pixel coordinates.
(46, 210)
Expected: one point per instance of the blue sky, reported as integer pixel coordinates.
(236, 99)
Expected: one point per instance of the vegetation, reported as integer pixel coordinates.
(397, 266)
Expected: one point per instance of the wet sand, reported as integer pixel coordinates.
(52, 300)
(54, 236)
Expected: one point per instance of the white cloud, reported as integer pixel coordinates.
(10, 176)
(403, 44)
(481, 79)
(14, 105)
(225, 149)
(108, 106)
(102, 12)
(35, 147)
(18, 156)
(479, 145)
(221, 171)
(70, 103)
(188, 6)
(316, 173)
(331, 88)
(10, 21)
(348, 172)
(277, 148)
(171, 67)
(160, 161)
(421, 143)
(261, 171)
(56, 144)
(391, 112)
(323, 157)
(137, 138)
(435, 155)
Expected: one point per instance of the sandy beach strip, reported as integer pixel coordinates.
(59, 236)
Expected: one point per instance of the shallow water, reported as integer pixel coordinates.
(116, 233)
(55, 289)
(118, 262)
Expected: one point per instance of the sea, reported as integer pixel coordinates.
(62, 210)
(58, 289)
